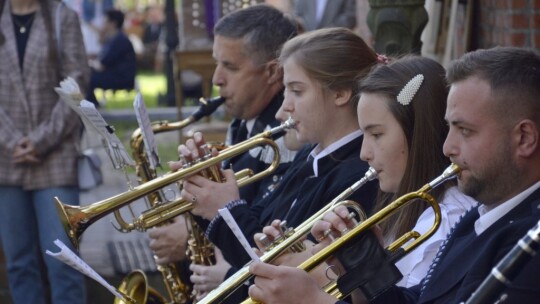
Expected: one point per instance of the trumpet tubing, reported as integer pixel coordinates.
(235, 281)
(164, 212)
(402, 201)
(76, 219)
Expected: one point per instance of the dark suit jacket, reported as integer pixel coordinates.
(254, 192)
(466, 260)
(338, 13)
(118, 58)
(337, 171)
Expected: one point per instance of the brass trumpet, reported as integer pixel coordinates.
(395, 248)
(135, 285)
(76, 219)
(143, 168)
(235, 281)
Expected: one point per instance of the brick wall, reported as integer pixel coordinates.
(508, 23)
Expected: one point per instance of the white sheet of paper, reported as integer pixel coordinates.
(147, 133)
(115, 148)
(68, 257)
(228, 218)
(70, 93)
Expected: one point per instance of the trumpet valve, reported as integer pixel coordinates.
(265, 241)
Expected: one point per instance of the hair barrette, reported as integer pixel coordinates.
(406, 94)
(382, 59)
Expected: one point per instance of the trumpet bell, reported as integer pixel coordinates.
(73, 220)
(136, 284)
(135, 289)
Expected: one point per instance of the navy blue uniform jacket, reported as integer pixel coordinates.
(337, 171)
(467, 260)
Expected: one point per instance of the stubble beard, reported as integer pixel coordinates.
(491, 184)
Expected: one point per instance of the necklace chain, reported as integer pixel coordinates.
(23, 26)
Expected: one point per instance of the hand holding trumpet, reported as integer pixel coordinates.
(207, 195)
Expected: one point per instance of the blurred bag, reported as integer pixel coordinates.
(89, 166)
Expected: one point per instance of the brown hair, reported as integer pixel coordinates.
(335, 57)
(425, 129)
(513, 75)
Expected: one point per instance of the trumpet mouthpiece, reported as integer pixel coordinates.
(289, 123)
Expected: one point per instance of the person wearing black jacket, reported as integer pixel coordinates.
(117, 64)
(245, 48)
(321, 73)
(494, 137)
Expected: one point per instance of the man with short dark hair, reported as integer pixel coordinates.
(246, 45)
(117, 64)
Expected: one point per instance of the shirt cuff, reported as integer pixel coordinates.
(230, 205)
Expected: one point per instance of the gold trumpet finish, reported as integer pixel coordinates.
(235, 281)
(135, 284)
(76, 219)
(321, 256)
(135, 289)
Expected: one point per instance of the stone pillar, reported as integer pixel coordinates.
(397, 25)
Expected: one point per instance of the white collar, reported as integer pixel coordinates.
(249, 125)
(316, 154)
(487, 218)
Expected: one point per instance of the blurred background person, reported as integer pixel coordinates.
(117, 64)
(93, 17)
(316, 14)
(152, 35)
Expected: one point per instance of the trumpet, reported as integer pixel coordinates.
(76, 219)
(235, 281)
(135, 284)
(396, 247)
(143, 169)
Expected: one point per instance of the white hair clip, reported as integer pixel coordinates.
(409, 90)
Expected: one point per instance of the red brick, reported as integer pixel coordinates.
(536, 21)
(520, 21)
(519, 4)
(536, 4)
(518, 39)
(537, 40)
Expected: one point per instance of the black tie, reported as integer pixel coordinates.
(241, 133)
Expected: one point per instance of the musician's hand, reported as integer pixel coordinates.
(283, 284)
(191, 151)
(169, 242)
(25, 152)
(209, 196)
(207, 278)
(269, 233)
(333, 224)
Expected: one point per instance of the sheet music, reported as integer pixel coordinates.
(70, 93)
(116, 150)
(68, 257)
(228, 218)
(147, 133)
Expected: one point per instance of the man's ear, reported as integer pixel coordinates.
(342, 97)
(273, 71)
(527, 138)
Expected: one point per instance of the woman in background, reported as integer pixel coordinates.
(38, 138)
